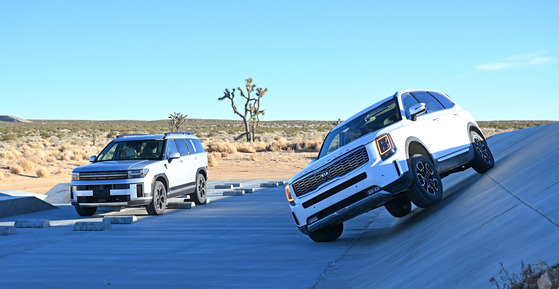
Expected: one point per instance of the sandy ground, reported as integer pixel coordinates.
(239, 166)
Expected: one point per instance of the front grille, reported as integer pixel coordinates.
(344, 165)
(103, 187)
(109, 199)
(110, 175)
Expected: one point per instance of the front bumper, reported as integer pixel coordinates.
(115, 193)
(357, 204)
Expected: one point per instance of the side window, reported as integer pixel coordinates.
(431, 103)
(408, 101)
(181, 145)
(446, 102)
(171, 147)
(196, 145)
(190, 146)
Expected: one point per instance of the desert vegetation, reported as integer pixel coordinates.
(47, 148)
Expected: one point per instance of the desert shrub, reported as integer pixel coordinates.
(259, 146)
(8, 155)
(529, 276)
(9, 137)
(222, 147)
(280, 144)
(42, 173)
(16, 169)
(245, 148)
(212, 160)
(26, 165)
(224, 154)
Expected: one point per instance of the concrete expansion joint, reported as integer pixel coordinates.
(523, 202)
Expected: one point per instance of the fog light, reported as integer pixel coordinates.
(373, 190)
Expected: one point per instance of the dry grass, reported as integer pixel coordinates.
(16, 169)
(42, 173)
(213, 160)
(26, 165)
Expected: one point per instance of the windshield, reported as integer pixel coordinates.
(132, 150)
(381, 116)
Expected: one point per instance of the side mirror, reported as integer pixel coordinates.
(174, 155)
(417, 110)
(92, 158)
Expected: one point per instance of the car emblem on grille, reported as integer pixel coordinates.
(324, 175)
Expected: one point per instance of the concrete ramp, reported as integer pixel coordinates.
(17, 202)
(507, 215)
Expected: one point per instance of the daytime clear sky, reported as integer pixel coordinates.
(320, 60)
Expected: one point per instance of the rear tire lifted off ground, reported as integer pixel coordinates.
(328, 233)
(399, 207)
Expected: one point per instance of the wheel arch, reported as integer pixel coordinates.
(161, 178)
(415, 146)
(474, 127)
(203, 172)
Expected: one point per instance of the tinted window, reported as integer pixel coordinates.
(171, 147)
(446, 102)
(197, 145)
(431, 103)
(190, 146)
(181, 145)
(137, 149)
(408, 101)
(378, 117)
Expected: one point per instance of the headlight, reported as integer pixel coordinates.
(385, 146)
(75, 176)
(288, 194)
(134, 174)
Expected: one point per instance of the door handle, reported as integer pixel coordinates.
(456, 114)
(435, 119)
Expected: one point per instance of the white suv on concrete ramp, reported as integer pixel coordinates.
(392, 153)
(142, 170)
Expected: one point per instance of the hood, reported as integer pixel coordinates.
(115, 166)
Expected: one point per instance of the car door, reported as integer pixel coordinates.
(188, 161)
(442, 138)
(175, 168)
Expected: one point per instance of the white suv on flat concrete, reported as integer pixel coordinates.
(392, 153)
(142, 170)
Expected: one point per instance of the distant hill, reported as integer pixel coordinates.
(10, 118)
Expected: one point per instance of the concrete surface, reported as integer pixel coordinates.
(504, 216)
(14, 203)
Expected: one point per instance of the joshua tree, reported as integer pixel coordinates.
(176, 119)
(252, 112)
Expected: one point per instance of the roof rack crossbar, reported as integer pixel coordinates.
(130, 134)
(179, 132)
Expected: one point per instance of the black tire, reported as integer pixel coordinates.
(399, 207)
(159, 202)
(199, 196)
(328, 233)
(86, 211)
(426, 188)
(483, 158)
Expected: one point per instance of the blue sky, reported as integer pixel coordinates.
(320, 60)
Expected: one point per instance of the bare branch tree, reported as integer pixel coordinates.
(176, 120)
(252, 112)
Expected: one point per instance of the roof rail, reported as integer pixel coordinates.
(130, 134)
(178, 132)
